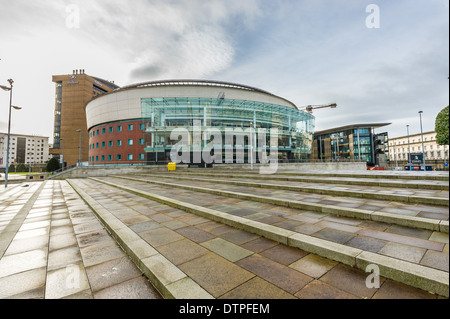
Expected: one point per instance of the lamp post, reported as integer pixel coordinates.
(409, 147)
(9, 125)
(79, 149)
(156, 146)
(421, 132)
(251, 145)
(61, 139)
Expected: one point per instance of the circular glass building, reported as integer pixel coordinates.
(143, 124)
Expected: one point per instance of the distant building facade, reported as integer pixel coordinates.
(73, 91)
(352, 143)
(24, 149)
(400, 147)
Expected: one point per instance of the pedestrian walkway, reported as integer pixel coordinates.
(52, 247)
(168, 223)
(199, 237)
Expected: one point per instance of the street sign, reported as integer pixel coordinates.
(416, 158)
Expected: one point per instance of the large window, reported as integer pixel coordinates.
(57, 117)
(295, 127)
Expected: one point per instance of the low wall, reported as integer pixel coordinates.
(96, 171)
(332, 166)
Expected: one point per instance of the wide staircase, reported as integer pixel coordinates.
(237, 234)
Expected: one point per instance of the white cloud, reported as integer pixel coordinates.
(166, 39)
(310, 52)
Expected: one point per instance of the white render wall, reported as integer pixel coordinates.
(398, 147)
(36, 152)
(126, 104)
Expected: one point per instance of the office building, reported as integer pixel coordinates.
(24, 149)
(73, 91)
(357, 142)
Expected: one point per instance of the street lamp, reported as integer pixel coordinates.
(421, 132)
(79, 149)
(251, 145)
(61, 139)
(9, 125)
(409, 147)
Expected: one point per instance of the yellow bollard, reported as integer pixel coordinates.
(172, 166)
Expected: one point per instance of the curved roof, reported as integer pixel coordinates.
(192, 82)
(196, 83)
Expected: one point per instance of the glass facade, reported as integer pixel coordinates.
(162, 115)
(350, 144)
(363, 144)
(57, 122)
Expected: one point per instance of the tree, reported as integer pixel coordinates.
(12, 168)
(441, 128)
(21, 168)
(52, 165)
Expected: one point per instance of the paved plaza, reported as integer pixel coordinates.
(227, 234)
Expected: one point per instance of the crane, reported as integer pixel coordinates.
(310, 108)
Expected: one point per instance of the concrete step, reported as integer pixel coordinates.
(369, 194)
(409, 273)
(437, 176)
(399, 183)
(248, 194)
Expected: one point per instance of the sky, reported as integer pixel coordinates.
(380, 61)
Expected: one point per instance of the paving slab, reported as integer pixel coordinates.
(269, 270)
(349, 257)
(58, 236)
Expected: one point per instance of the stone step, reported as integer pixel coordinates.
(403, 220)
(443, 176)
(414, 184)
(317, 190)
(415, 275)
(170, 281)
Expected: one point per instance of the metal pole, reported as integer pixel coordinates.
(156, 145)
(421, 132)
(359, 144)
(79, 149)
(61, 139)
(9, 132)
(409, 146)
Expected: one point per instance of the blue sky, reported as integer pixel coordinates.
(308, 51)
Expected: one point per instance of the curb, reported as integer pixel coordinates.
(418, 276)
(168, 279)
(402, 220)
(362, 175)
(394, 183)
(391, 197)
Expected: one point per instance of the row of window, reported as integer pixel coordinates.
(419, 148)
(428, 155)
(119, 129)
(413, 141)
(118, 157)
(118, 143)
